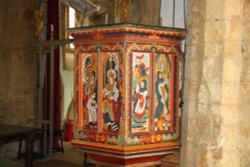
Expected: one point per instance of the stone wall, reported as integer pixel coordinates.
(18, 92)
(18, 97)
(216, 130)
(244, 94)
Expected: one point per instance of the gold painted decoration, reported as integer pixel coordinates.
(39, 23)
(124, 10)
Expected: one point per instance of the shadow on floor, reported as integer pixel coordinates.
(7, 163)
(56, 163)
(70, 158)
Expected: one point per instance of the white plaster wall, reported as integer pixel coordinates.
(67, 78)
(167, 13)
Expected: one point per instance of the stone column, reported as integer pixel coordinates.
(214, 122)
(244, 95)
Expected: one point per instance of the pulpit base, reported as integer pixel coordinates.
(130, 156)
(132, 162)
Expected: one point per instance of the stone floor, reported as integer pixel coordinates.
(70, 158)
(74, 158)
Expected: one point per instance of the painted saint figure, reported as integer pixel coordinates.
(110, 102)
(92, 112)
(141, 94)
(162, 118)
(89, 91)
(162, 96)
(141, 70)
(88, 80)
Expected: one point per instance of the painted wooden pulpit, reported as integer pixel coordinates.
(127, 83)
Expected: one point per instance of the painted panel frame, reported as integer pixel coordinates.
(111, 92)
(164, 92)
(140, 109)
(88, 91)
